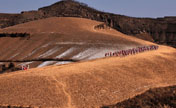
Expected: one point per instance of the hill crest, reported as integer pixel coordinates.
(161, 29)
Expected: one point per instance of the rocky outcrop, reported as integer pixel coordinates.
(7, 20)
(161, 30)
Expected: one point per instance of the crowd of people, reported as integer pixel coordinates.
(132, 51)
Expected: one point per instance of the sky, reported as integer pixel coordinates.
(134, 8)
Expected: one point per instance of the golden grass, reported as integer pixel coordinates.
(86, 84)
(90, 84)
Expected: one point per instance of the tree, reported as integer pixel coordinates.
(11, 65)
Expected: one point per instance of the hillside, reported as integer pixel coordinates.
(68, 55)
(89, 84)
(160, 30)
(63, 38)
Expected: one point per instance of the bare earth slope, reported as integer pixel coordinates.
(67, 38)
(90, 84)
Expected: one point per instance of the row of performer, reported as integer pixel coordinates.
(132, 51)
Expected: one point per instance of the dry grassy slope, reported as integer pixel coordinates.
(90, 84)
(59, 35)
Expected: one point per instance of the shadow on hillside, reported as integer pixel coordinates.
(10, 68)
(153, 98)
(15, 35)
